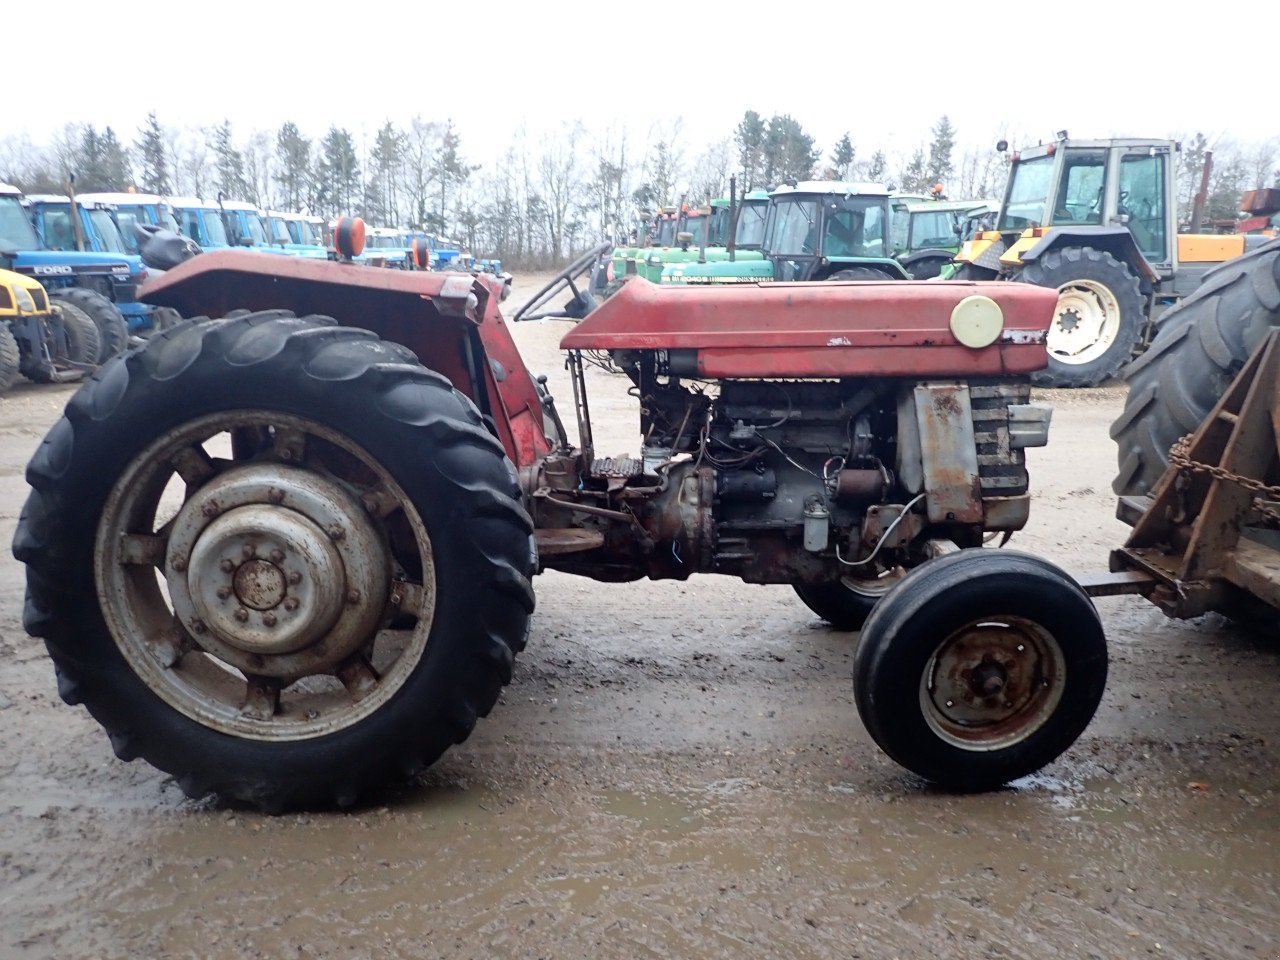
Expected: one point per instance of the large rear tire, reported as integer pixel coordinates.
(980, 668)
(846, 603)
(10, 358)
(1099, 317)
(340, 593)
(1199, 347)
(113, 331)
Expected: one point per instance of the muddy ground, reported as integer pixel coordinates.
(678, 771)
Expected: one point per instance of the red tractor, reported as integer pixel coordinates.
(288, 554)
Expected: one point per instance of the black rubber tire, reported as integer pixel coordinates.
(967, 271)
(84, 343)
(10, 358)
(936, 599)
(926, 268)
(1063, 265)
(1199, 347)
(835, 603)
(411, 420)
(113, 332)
(858, 273)
(164, 318)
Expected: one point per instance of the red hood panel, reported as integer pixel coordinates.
(823, 329)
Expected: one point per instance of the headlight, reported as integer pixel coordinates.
(23, 300)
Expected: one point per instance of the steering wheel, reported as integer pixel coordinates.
(582, 302)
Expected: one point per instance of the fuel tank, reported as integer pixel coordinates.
(828, 329)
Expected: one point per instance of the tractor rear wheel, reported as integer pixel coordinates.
(10, 358)
(1199, 347)
(857, 273)
(980, 668)
(276, 558)
(84, 343)
(113, 332)
(1099, 317)
(846, 603)
(926, 268)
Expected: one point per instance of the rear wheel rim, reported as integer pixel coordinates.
(1086, 323)
(993, 683)
(263, 609)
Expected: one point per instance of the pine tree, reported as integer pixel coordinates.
(876, 169)
(915, 177)
(229, 162)
(294, 176)
(788, 150)
(750, 137)
(842, 157)
(340, 171)
(449, 170)
(155, 164)
(940, 167)
(87, 163)
(114, 170)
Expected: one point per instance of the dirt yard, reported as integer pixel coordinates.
(678, 771)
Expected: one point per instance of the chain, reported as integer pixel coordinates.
(1180, 457)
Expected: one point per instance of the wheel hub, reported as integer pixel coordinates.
(277, 571)
(1086, 324)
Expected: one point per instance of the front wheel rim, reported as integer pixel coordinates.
(992, 684)
(1085, 324)
(292, 593)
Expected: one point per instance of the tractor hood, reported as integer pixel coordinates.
(867, 328)
(57, 263)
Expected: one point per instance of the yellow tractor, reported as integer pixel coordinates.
(44, 342)
(1098, 221)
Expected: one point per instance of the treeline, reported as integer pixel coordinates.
(543, 197)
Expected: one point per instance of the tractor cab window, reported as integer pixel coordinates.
(750, 231)
(107, 232)
(298, 232)
(854, 228)
(933, 229)
(900, 228)
(166, 219)
(16, 232)
(719, 227)
(666, 232)
(794, 228)
(1141, 199)
(59, 232)
(127, 219)
(1084, 176)
(279, 233)
(214, 231)
(698, 227)
(257, 232)
(1028, 190)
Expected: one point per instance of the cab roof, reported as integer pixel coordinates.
(829, 187)
(8, 189)
(192, 203)
(121, 199)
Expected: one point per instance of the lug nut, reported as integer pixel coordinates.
(291, 603)
(197, 626)
(286, 454)
(275, 496)
(224, 592)
(211, 509)
(226, 566)
(268, 619)
(248, 550)
(277, 556)
(295, 577)
(353, 596)
(178, 563)
(241, 615)
(336, 532)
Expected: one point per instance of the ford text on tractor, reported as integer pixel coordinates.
(1097, 220)
(289, 554)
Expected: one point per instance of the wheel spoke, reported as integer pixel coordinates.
(143, 549)
(289, 444)
(380, 501)
(171, 645)
(261, 698)
(408, 596)
(358, 676)
(194, 466)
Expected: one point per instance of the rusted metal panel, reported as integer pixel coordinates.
(950, 459)
(552, 542)
(1117, 584)
(818, 329)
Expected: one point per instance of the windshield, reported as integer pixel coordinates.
(107, 232)
(166, 218)
(59, 231)
(935, 228)
(750, 232)
(854, 227)
(794, 228)
(16, 231)
(386, 243)
(213, 227)
(311, 234)
(127, 218)
(280, 233)
(1028, 190)
(719, 227)
(666, 232)
(257, 233)
(697, 226)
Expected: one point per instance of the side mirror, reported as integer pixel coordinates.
(1002, 146)
(245, 242)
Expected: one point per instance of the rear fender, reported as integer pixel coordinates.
(1116, 241)
(450, 320)
(889, 267)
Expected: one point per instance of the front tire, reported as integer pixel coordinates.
(343, 586)
(1099, 316)
(10, 358)
(980, 668)
(113, 331)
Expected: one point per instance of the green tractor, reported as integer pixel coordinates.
(926, 234)
(813, 230)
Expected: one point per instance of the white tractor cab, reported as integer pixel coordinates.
(201, 220)
(294, 234)
(387, 247)
(132, 209)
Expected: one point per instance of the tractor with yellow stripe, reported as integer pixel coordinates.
(1098, 221)
(44, 341)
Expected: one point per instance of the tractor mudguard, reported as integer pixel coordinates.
(886, 265)
(1116, 241)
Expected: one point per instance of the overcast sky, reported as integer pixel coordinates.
(883, 71)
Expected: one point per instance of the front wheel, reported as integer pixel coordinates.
(1098, 320)
(980, 668)
(113, 331)
(277, 559)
